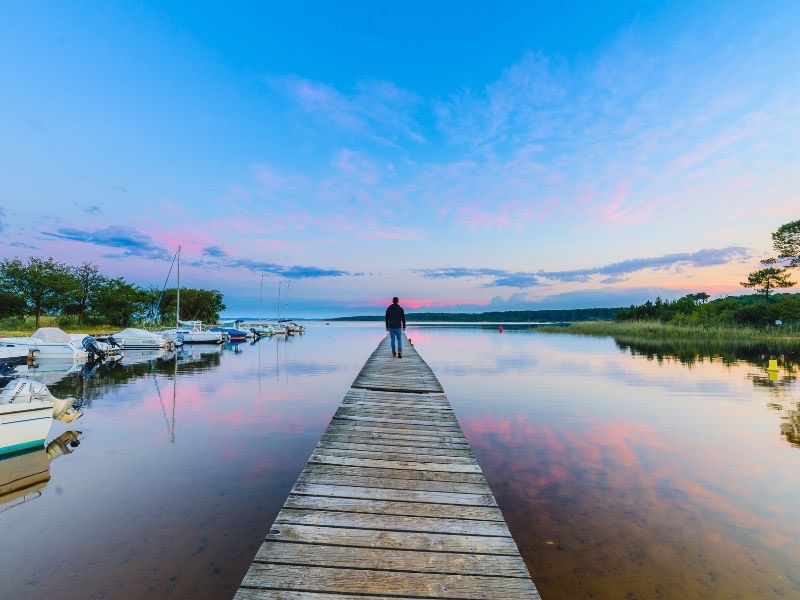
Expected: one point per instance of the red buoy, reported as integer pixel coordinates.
(500, 329)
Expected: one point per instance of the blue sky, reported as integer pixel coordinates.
(459, 155)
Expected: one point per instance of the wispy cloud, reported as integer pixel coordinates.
(131, 241)
(220, 259)
(214, 251)
(614, 272)
(519, 101)
(92, 209)
(2, 217)
(23, 245)
(376, 109)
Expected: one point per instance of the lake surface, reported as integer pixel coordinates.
(624, 471)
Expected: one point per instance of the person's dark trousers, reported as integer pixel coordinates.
(395, 333)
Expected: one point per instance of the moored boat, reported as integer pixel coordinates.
(133, 337)
(48, 343)
(27, 408)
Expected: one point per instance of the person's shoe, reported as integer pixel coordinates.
(399, 355)
(394, 354)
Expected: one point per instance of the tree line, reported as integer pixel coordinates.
(506, 316)
(44, 286)
(744, 310)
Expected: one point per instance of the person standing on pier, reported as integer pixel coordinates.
(395, 319)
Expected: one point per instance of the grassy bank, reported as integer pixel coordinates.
(655, 330)
(25, 326)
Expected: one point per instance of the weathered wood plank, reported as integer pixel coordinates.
(365, 581)
(264, 594)
(396, 441)
(389, 507)
(429, 458)
(399, 540)
(377, 446)
(393, 560)
(390, 464)
(343, 491)
(372, 429)
(394, 484)
(391, 522)
(395, 473)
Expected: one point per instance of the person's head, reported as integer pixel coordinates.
(395, 300)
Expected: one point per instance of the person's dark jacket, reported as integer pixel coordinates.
(395, 317)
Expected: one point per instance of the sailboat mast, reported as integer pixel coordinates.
(178, 300)
(279, 301)
(261, 302)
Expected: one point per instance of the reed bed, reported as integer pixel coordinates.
(659, 330)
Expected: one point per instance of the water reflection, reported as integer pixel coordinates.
(24, 476)
(690, 352)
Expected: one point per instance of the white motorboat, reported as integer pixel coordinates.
(293, 327)
(139, 338)
(192, 332)
(96, 348)
(261, 329)
(279, 329)
(27, 408)
(48, 343)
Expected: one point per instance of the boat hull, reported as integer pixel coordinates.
(24, 426)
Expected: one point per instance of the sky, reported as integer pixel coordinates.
(463, 156)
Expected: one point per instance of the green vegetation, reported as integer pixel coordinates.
(637, 330)
(509, 316)
(58, 294)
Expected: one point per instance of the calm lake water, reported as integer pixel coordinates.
(623, 471)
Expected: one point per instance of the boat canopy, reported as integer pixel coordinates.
(134, 332)
(52, 335)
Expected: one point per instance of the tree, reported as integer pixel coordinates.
(196, 304)
(44, 285)
(700, 297)
(786, 242)
(88, 278)
(11, 305)
(767, 279)
(119, 301)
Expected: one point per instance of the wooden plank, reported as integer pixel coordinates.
(396, 441)
(394, 484)
(411, 465)
(391, 504)
(451, 428)
(343, 491)
(378, 446)
(384, 454)
(395, 473)
(398, 540)
(389, 507)
(365, 581)
(392, 560)
(392, 522)
(338, 427)
(264, 594)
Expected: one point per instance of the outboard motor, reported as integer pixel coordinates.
(254, 332)
(90, 345)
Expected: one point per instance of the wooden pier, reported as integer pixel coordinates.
(392, 503)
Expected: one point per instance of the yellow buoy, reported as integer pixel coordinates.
(773, 364)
